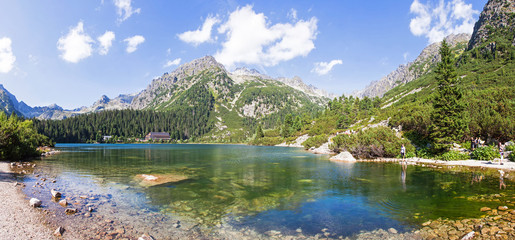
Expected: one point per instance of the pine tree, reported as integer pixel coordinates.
(259, 132)
(448, 124)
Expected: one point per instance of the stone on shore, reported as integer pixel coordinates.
(63, 203)
(468, 236)
(70, 211)
(146, 237)
(59, 232)
(55, 193)
(392, 230)
(344, 157)
(34, 202)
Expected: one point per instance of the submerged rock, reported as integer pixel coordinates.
(485, 209)
(147, 180)
(34, 202)
(63, 203)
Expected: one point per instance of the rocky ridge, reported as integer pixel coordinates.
(497, 16)
(163, 91)
(408, 72)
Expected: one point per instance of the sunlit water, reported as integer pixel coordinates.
(270, 188)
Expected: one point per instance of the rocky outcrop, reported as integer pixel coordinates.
(343, 157)
(408, 72)
(295, 82)
(497, 17)
(162, 89)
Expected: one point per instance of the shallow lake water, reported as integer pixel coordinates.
(268, 188)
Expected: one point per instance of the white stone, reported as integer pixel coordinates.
(344, 157)
(55, 193)
(34, 202)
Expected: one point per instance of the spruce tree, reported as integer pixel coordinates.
(448, 124)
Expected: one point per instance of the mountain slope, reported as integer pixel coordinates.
(408, 72)
(487, 73)
(496, 20)
(229, 102)
(8, 101)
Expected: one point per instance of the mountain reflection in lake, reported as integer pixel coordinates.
(271, 188)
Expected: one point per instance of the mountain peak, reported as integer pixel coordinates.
(408, 72)
(497, 17)
(199, 64)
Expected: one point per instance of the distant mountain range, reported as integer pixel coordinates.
(153, 95)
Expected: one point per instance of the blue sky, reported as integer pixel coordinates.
(72, 52)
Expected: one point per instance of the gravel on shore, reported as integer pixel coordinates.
(17, 219)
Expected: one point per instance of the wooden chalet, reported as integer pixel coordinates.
(157, 136)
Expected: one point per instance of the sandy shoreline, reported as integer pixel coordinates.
(17, 219)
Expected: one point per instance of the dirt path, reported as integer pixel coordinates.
(17, 219)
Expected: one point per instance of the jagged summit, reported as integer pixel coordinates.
(497, 17)
(408, 72)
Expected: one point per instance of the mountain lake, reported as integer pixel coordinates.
(159, 188)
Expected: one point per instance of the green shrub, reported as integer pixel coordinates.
(372, 143)
(424, 153)
(315, 141)
(512, 156)
(266, 141)
(485, 153)
(510, 148)
(454, 155)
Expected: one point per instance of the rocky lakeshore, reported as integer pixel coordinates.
(88, 215)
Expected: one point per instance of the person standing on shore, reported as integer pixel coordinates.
(472, 144)
(501, 153)
(403, 152)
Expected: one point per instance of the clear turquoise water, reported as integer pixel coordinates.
(271, 188)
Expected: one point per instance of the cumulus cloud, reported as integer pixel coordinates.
(170, 63)
(437, 22)
(106, 41)
(200, 35)
(124, 9)
(133, 42)
(251, 39)
(7, 57)
(76, 45)
(323, 68)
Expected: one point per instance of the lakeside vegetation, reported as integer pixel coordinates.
(19, 138)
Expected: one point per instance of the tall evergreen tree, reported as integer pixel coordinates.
(448, 124)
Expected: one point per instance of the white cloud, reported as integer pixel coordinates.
(7, 57)
(76, 45)
(293, 14)
(251, 39)
(124, 9)
(323, 68)
(106, 41)
(133, 42)
(437, 22)
(200, 35)
(170, 63)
